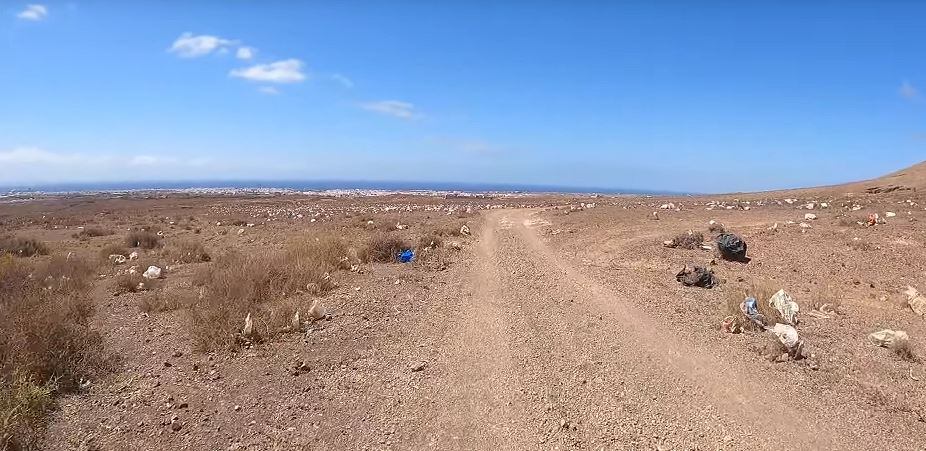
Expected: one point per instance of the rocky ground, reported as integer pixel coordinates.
(559, 324)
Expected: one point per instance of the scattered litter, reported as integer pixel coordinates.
(787, 308)
(788, 336)
(731, 247)
(117, 259)
(407, 255)
(730, 325)
(133, 255)
(810, 217)
(750, 309)
(888, 338)
(890, 214)
(248, 326)
(916, 301)
(697, 276)
(464, 230)
(825, 311)
(153, 272)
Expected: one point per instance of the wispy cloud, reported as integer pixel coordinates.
(908, 91)
(190, 46)
(36, 157)
(269, 90)
(394, 108)
(245, 53)
(34, 13)
(32, 155)
(342, 80)
(285, 71)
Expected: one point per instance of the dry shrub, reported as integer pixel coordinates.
(383, 248)
(904, 350)
(113, 249)
(188, 251)
(847, 221)
(46, 344)
(429, 241)
(134, 283)
(237, 284)
(689, 240)
(143, 238)
(762, 291)
(22, 247)
(92, 232)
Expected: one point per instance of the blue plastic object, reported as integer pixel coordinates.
(406, 256)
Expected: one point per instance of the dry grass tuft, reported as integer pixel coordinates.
(22, 247)
(134, 283)
(143, 238)
(383, 248)
(92, 232)
(188, 251)
(904, 350)
(762, 291)
(46, 344)
(237, 284)
(429, 241)
(113, 249)
(689, 240)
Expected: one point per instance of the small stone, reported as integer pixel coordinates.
(237, 408)
(177, 354)
(419, 366)
(175, 426)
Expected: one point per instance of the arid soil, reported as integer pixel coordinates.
(556, 324)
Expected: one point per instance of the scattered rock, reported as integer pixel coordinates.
(916, 301)
(317, 311)
(153, 272)
(888, 338)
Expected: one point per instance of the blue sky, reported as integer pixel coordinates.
(721, 97)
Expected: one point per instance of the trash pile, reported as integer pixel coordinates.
(732, 247)
(785, 331)
(697, 276)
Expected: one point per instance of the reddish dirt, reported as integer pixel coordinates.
(555, 327)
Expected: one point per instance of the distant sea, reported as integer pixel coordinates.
(316, 185)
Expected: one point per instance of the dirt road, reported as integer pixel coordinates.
(544, 356)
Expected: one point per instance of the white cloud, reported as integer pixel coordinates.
(395, 108)
(31, 155)
(245, 53)
(190, 46)
(342, 80)
(908, 91)
(285, 71)
(33, 12)
(269, 90)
